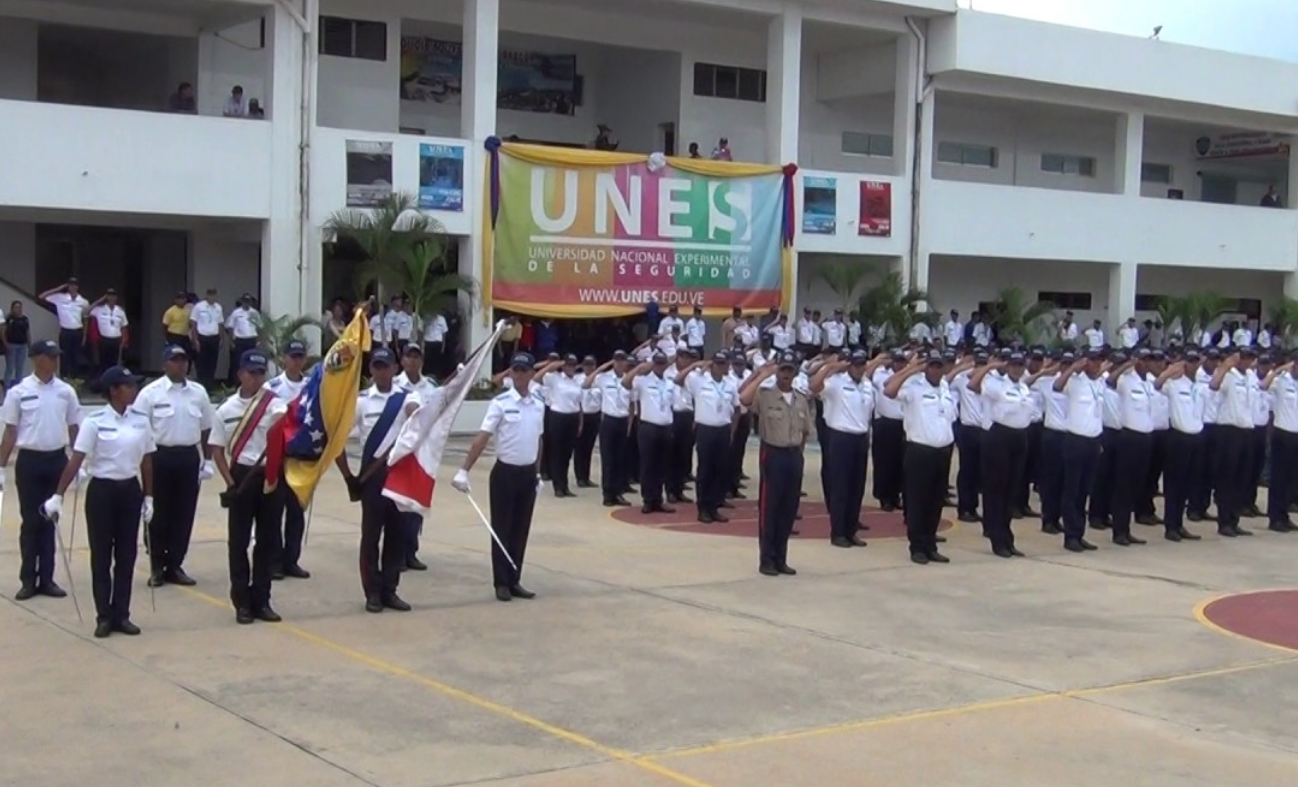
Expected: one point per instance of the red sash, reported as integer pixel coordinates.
(248, 424)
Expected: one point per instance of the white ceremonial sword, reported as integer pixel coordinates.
(487, 524)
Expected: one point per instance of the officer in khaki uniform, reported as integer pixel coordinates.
(784, 421)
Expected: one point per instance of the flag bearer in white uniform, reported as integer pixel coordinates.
(413, 380)
(516, 420)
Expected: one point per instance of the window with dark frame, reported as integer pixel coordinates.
(1155, 173)
(741, 84)
(356, 38)
(856, 143)
(967, 155)
(1066, 164)
(1073, 301)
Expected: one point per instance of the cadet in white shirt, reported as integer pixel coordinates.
(242, 323)
(738, 375)
(805, 334)
(1185, 442)
(399, 325)
(110, 322)
(889, 437)
(435, 345)
(1282, 387)
(953, 331)
(516, 421)
(1128, 334)
(381, 411)
(1242, 337)
(681, 462)
(1239, 389)
(928, 409)
(1010, 409)
(206, 321)
(854, 332)
(846, 389)
(238, 441)
(835, 331)
(1084, 386)
(712, 395)
(652, 395)
(41, 416)
(614, 427)
(1101, 505)
(747, 333)
(1146, 512)
(588, 432)
(696, 331)
(287, 385)
(781, 334)
(1050, 473)
(71, 307)
(671, 343)
(116, 446)
(1257, 441)
(969, 437)
(1094, 336)
(1135, 442)
(562, 383)
(1202, 492)
(414, 381)
(671, 321)
(180, 415)
(921, 333)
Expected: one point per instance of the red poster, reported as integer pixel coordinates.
(876, 209)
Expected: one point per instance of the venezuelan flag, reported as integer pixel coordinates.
(315, 428)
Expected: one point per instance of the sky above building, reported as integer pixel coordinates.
(1267, 28)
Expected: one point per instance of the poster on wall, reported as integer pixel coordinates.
(369, 173)
(574, 238)
(876, 209)
(1241, 144)
(441, 177)
(432, 70)
(819, 206)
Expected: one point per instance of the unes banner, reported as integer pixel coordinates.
(598, 234)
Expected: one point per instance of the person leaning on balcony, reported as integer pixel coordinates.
(234, 106)
(71, 307)
(183, 100)
(1271, 199)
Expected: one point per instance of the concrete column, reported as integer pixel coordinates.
(1289, 189)
(783, 85)
(477, 122)
(1291, 285)
(916, 273)
(1129, 143)
(903, 106)
(282, 283)
(1122, 294)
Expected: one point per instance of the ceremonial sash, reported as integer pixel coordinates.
(247, 426)
(386, 419)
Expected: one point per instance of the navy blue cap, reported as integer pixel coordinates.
(45, 348)
(788, 359)
(1247, 352)
(570, 358)
(413, 349)
(1004, 353)
(117, 375)
(1266, 358)
(589, 360)
(382, 356)
(859, 358)
(659, 357)
(738, 357)
(721, 357)
(1094, 354)
(296, 348)
(173, 351)
(620, 355)
(1038, 355)
(253, 361)
(981, 358)
(1213, 354)
(1143, 354)
(522, 361)
(1157, 355)
(948, 356)
(552, 357)
(899, 354)
(1192, 354)
(1068, 357)
(1016, 358)
(934, 357)
(1118, 357)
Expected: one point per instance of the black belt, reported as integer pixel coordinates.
(177, 448)
(44, 454)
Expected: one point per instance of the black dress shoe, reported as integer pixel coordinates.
(786, 570)
(610, 504)
(177, 576)
(938, 557)
(662, 509)
(719, 518)
(646, 509)
(1251, 511)
(267, 614)
(1052, 529)
(374, 603)
(25, 592)
(839, 541)
(393, 601)
(102, 630)
(1226, 532)
(126, 627)
(744, 477)
(940, 539)
(157, 579)
(919, 557)
(415, 564)
(629, 490)
(689, 479)
(1149, 520)
(738, 496)
(797, 517)
(1028, 512)
(297, 572)
(243, 616)
(1087, 545)
(856, 542)
(277, 574)
(682, 499)
(54, 591)
(1194, 516)
(801, 493)
(965, 516)
(1002, 552)
(1099, 524)
(1016, 552)
(621, 501)
(585, 485)
(795, 532)
(1280, 527)
(1188, 536)
(1239, 531)
(1135, 540)
(518, 591)
(1172, 535)
(1073, 545)
(673, 498)
(767, 569)
(888, 507)
(502, 594)
(1122, 541)
(706, 518)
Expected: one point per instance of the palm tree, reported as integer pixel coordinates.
(891, 305)
(844, 278)
(274, 334)
(420, 274)
(1284, 319)
(1016, 317)
(1174, 314)
(1204, 307)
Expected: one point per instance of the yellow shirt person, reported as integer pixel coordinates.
(175, 321)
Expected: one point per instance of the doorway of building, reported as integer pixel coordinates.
(667, 138)
(1219, 189)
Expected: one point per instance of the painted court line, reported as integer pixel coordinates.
(482, 703)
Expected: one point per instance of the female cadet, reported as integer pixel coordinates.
(116, 445)
(1005, 446)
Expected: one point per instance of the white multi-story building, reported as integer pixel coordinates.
(1091, 169)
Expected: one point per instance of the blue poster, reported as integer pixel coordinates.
(819, 206)
(433, 70)
(441, 177)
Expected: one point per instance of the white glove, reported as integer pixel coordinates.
(461, 481)
(146, 511)
(207, 471)
(500, 324)
(51, 508)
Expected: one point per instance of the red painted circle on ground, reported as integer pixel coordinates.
(1269, 616)
(743, 521)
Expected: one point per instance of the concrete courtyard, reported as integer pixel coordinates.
(655, 657)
